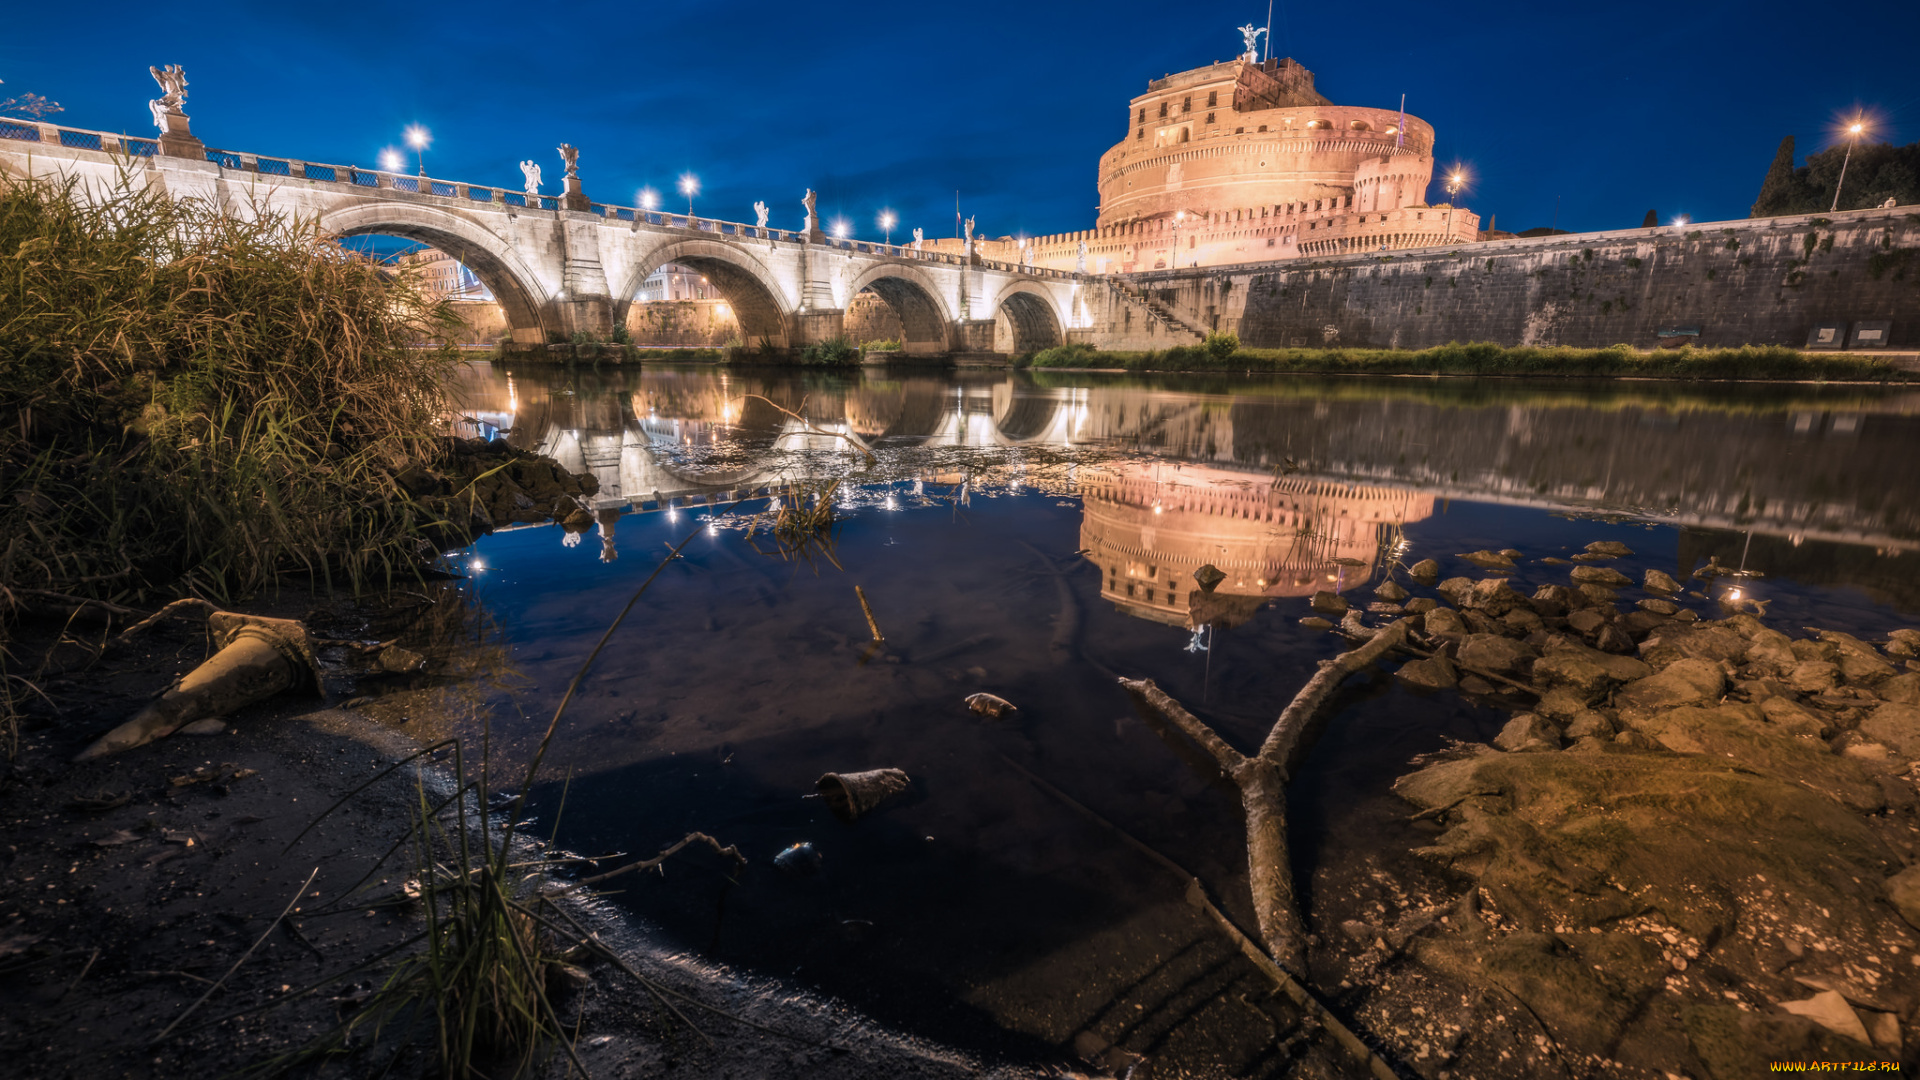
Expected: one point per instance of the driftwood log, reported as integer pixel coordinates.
(1262, 779)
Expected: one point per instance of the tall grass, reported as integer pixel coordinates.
(1486, 358)
(196, 398)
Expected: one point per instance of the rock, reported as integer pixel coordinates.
(1552, 600)
(1528, 733)
(1597, 594)
(1613, 639)
(1444, 623)
(1474, 684)
(1739, 733)
(1329, 603)
(1611, 548)
(1885, 1029)
(1686, 616)
(419, 482)
(1805, 649)
(1636, 740)
(1684, 682)
(1559, 704)
(1587, 724)
(1702, 642)
(1555, 560)
(1911, 638)
(1436, 673)
(401, 661)
(1489, 560)
(1495, 597)
(1456, 590)
(204, 727)
(1657, 581)
(1589, 745)
(1904, 689)
(1600, 575)
(1315, 622)
(1790, 717)
(1737, 1043)
(1662, 607)
(1813, 676)
(1511, 553)
(1903, 890)
(1522, 621)
(1639, 625)
(991, 705)
(1896, 725)
(1772, 651)
(1901, 650)
(1208, 577)
(1420, 605)
(1583, 673)
(1426, 571)
(1390, 592)
(1586, 621)
(1501, 655)
(1832, 1012)
(1381, 608)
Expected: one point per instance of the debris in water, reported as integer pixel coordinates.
(1208, 577)
(800, 860)
(849, 795)
(990, 705)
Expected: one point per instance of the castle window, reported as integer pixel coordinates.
(1239, 131)
(1359, 125)
(1263, 127)
(1186, 104)
(1142, 135)
(1209, 118)
(1163, 110)
(1143, 114)
(1269, 241)
(1213, 98)
(1318, 124)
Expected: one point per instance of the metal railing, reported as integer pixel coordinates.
(354, 176)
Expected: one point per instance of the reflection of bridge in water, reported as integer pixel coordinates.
(1807, 465)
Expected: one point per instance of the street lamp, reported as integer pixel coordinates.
(1853, 136)
(392, 160)
(841, 229)
(1456, 180)
(886, 225)
(649, 199)
(419, 138)
(689, 186)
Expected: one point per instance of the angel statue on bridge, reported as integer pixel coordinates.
(808, 200)
(531, 170)
(570, 154)
(173, 90)
(1080, 259)
(760, 214)
(968, 226)
(919, 237)
(1251, 35)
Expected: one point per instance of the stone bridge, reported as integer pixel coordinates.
(564, 264)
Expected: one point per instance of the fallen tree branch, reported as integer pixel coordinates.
(1262, 780)
(729, 850)
(1196, 896)
(859, 443)
(154, 619)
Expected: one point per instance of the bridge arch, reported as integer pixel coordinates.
(746, 283)
(926, 324)
(1033, 315)
(491, 259)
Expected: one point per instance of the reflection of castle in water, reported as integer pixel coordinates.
(1149, 527)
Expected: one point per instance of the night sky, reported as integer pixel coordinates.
(1587, 116)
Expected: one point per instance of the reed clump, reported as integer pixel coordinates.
(195, 398)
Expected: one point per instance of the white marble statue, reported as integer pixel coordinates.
(760, 215)
(1080, 259)
(173, 91)
(531, 171)
(919, 238)
(968, 227)
(1026, 255)
(570, 154)
(1251, 35)
(808, 200)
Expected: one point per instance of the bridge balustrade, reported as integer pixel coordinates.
(273, 167)
(22, 132)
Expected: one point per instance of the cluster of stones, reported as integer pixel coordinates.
(482, 485)
(1695, 843)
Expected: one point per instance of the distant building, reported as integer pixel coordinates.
(674, 282)
(445, 275)
(1246, 161)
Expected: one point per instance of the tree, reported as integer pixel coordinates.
(1779, 192)
(1651, 221)
(30, 105)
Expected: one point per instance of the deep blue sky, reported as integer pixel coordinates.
(1609, 109)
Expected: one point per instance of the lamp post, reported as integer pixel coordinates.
(689, 186)
(886, 225)
(392, 161)
(1853, 136)
(649, 199)
(1456, 180)
(419, 138)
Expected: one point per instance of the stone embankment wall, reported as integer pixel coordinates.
(1761, 282)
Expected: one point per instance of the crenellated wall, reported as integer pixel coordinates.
(1765, 281)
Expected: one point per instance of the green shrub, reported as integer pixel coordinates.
(1222, 345)
(883, 345)
(1074, 355)
(833, 352)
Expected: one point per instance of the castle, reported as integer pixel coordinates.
(1245, 161)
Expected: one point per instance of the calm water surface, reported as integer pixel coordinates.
(1035, 537)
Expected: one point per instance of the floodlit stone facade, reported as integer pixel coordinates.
(1242, 162)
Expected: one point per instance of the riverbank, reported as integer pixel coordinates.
(137, 883)
(1753, 363)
